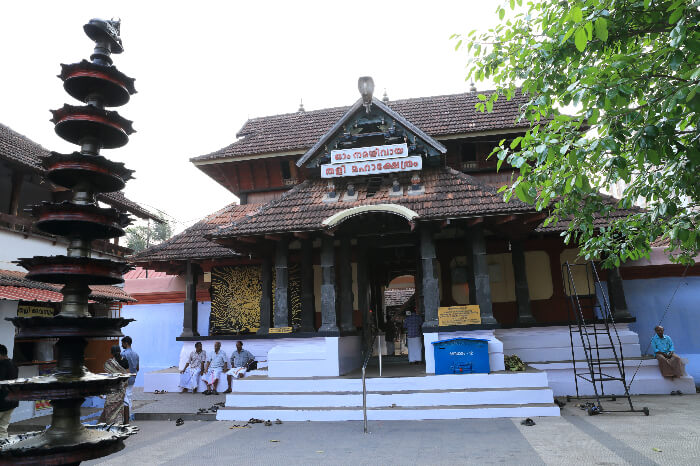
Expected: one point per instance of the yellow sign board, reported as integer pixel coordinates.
(281, 330)
(459, 315)
(34, 311)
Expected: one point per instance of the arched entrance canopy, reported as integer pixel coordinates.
(338, 218)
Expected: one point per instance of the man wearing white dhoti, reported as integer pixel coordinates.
(193, 370)
(240, 360)
(217, 364)
(414, 336)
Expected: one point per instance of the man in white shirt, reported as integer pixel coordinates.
(216, 365)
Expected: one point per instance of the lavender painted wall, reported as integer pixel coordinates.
(155, 331)
(648, 299)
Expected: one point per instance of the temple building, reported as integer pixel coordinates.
(337, 204)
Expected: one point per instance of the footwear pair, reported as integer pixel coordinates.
(676, 392)
(179, 422)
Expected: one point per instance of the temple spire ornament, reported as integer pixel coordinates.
(97, 84)
(366, 87)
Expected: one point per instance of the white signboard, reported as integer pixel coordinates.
(359, 154)
(374, 167)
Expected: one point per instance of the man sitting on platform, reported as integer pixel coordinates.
(215, 367)
(193, 370)
(670, 364)
(240, 361)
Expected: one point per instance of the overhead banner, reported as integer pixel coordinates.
(359, 154)
(459, 315)
(372, 168)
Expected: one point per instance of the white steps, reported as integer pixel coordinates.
(396, 398)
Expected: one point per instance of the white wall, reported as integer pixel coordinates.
(7, 330)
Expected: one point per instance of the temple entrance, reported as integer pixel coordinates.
(387, 253)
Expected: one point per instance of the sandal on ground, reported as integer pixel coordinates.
(268, 423)
(228, 390)
(277, 421)
(179, 422)
(527, 422)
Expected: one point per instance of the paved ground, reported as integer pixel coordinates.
(670, 435)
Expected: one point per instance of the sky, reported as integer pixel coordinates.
(203, 68)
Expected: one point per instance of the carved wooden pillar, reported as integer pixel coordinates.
(346, 295)
(308, 309)
(522, 292)
(362, 283)
(618, 302)
(429, 282)
(482, 283)
(281, 307)
(189, 320)
(265, 296)
(328, 297)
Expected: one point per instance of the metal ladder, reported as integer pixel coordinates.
(597, 334)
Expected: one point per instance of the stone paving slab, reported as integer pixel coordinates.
(670, 435)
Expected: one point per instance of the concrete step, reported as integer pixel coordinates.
(396, 399)
(413, 413)
(395, 384)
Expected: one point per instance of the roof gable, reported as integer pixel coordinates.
(379, 120)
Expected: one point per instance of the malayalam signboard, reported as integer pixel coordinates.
(374, 167)
(27, 310)
(459, 315)
(360, 154)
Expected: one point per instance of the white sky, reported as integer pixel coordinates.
(202, 68)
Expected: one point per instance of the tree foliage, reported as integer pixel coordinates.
(140, 237)
(614, 96)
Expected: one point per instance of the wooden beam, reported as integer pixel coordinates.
(535, 218)
(505, 219)
(301, 234)
(474, 221)
(246, 239)
(273, 237)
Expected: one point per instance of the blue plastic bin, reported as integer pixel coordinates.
(462, 356)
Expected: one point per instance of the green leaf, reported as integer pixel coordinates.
(576, 14)
(601, 29)
(676, 15)
(501, 13)
(580, 39)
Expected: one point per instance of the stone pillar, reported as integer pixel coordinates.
(189, 321)
(618, 303)
(281, 308)
(328, 298)
(482, 284)
(308, 309)
(346, 295)
(429, 282)
(265, 296)
(522, 292)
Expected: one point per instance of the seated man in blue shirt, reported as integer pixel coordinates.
(670, 364)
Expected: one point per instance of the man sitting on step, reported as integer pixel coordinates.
(215, 367)
(240, 361)
(670, 364)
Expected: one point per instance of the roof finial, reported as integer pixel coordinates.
(301, 106)
(472, 87)
(366, 87)
(385, 98)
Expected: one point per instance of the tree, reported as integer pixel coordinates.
(614, 95)
(140, 237)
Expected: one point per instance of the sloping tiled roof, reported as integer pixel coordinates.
(598, 220)
(15, 286)
(397, 296)
(191, 244)
(22, 151)
(437, 116)
(448, 194)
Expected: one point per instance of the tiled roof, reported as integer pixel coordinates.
(20, 150)
(15, 286)
(598, 221)
(139, 273)
(397, 296)
(437, 116)
(448, 194)
(191, 244)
